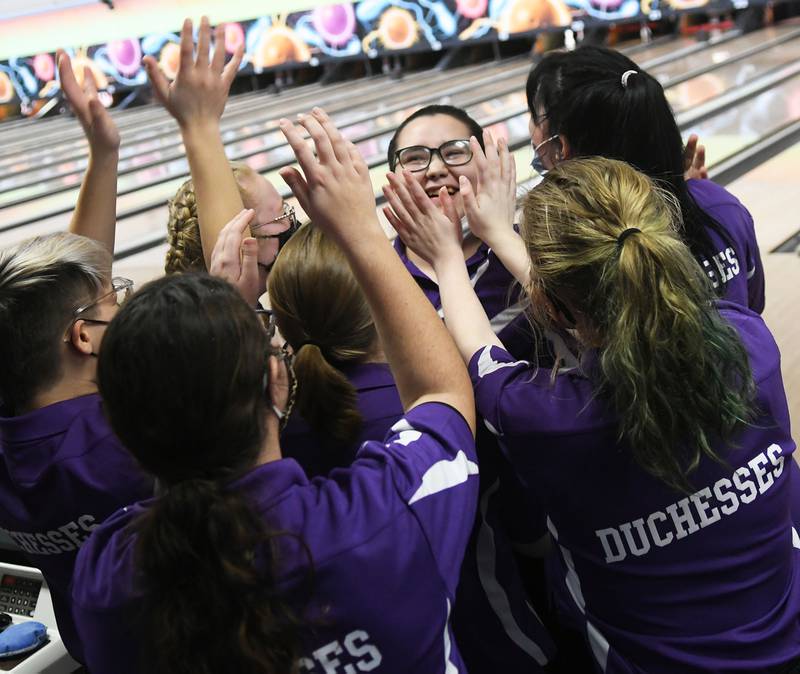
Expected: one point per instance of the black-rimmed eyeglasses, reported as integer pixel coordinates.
(418, 157)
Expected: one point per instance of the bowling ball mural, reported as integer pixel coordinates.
(334, 30)
(395, 25)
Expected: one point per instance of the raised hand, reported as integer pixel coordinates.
(99, 128)
(694, 159)
(334, 188)
(200, 89)
(431, 233)
(490, 212)
(235, 257)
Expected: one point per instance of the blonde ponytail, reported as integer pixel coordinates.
(675, 373)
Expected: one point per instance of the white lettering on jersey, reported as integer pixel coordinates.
(352, 654)
(695, 512)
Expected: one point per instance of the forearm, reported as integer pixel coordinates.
(216, 192)
(509, 248)
(424, 360)
(95, 214)
(463, 313)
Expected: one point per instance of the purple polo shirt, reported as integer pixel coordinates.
(380, 407)
(740, 263)
(495, 620)
(496, 624)
(659, 581)
(498, 292)
(62, 473)
(386, 537)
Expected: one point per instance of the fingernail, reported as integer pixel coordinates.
(283, 121)
(317, 110)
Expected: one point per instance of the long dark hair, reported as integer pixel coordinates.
(182, 375)
(462, 116)
(580, 94)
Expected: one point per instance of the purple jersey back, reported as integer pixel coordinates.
(659, 581)
(386, 537)
(62, 473)
(380, 407)
(740, 262)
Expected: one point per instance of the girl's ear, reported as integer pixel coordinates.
(80, 339)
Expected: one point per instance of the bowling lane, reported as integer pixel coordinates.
(136, 189)
(744, 123)
(722, 52)
(703, 88)
(161, 125)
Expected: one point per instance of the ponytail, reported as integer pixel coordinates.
(581, 95)
(675, 373)
(205, 562)
(207, 607)
(321, 311)
(326, 399)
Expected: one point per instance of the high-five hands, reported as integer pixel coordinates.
(334, 188)
(490, 211)
(432, 233)
(200, 89)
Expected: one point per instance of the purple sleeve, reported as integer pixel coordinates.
(492, 369)
(435, 471)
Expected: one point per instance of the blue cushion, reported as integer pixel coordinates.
(22, 638)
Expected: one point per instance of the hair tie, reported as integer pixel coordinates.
(626, 76)
(628, 232)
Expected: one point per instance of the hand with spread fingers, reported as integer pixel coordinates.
(95, 214)
(432, 233)
(490, 211)
(200, 89)
(334, 188)
(235, 257)
(98, 127)
(694, 159)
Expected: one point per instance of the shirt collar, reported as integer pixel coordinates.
(268, 482)
(47, 421)
(475, 260)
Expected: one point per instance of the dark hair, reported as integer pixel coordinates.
(42, 282)
(602, 238)
(580, 94)
(322, 312)
(182, 374)
(475, 129)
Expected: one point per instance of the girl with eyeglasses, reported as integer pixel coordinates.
(440, 147)
(202, 206)
(242, 563)
(62, 470)
(664, 459)
(345, 393)
(433, 146)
